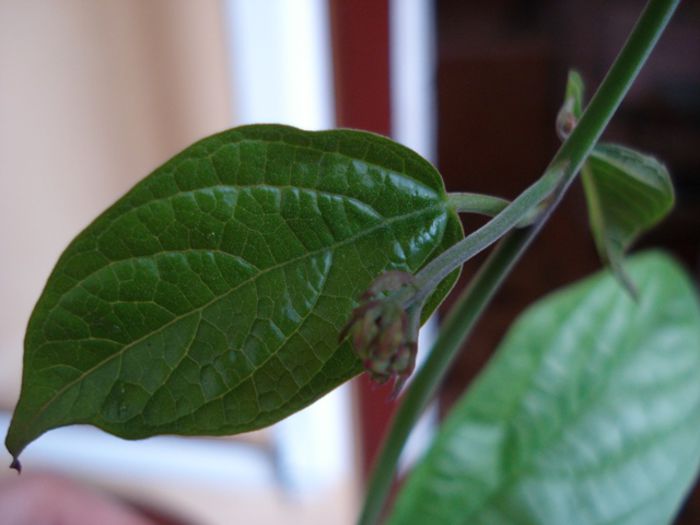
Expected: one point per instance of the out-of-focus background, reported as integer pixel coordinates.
(95, 95)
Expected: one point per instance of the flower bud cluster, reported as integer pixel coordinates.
(381, 331)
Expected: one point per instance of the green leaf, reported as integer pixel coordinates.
(588, 414)
(627, 193)
(208, 299)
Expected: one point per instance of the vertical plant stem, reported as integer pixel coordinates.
(615, 85)
(452, 333)
(476, 297)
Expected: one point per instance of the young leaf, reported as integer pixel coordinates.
(208, 299)
(627, 193)
(587, 415)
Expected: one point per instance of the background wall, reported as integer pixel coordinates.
(93, 96)
(501, 72)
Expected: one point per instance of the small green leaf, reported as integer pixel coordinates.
(627, 193)
(209, 299)
(587, 415)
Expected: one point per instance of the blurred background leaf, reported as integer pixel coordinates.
(588, 413)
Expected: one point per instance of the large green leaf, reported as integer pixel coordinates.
(208, 299)
(627, 194)
(589, 413)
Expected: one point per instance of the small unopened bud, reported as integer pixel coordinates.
(566, 120)
(380, 331)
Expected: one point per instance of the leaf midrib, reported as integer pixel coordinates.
(234, 188)
(250, 374)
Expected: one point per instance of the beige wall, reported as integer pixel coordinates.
(93, 96)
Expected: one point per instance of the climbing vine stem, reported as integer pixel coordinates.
(545, 193)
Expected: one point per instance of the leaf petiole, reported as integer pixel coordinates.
(480, 204)
(521, 209)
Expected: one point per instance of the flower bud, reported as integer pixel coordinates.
(380, 331)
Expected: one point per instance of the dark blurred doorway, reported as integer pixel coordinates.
(501, 72)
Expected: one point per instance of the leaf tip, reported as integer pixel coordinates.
(16, 465)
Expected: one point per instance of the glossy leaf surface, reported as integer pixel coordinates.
(208, 299)
(627, 193)
(587, 415)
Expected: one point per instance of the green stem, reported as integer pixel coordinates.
(477, 203)
(476, 297)
(568, 160)
(615, 85)
(480, 204)
(595, 206)
(464, 202)
(513, 214)
(425, 382)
